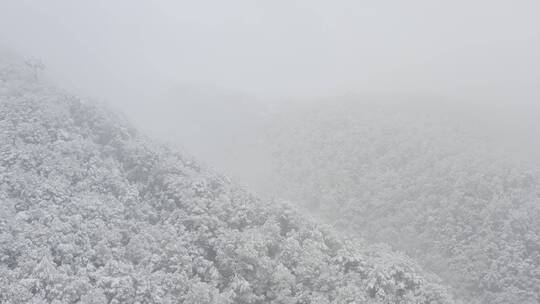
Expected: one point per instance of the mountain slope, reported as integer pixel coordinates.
(93, 212)
(423, 182)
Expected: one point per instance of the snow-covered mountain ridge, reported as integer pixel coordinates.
(91, 211)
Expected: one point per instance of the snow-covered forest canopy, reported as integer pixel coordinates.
(426, 185)
(251, 152)
(94, 212)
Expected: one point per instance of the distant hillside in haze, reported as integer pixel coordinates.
(428, 181)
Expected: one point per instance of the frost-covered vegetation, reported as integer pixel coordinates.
(93, 212)
(423, 182)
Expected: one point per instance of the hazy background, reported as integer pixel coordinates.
(206, 73)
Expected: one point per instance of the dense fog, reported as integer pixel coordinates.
(153, 60)
(411, 125)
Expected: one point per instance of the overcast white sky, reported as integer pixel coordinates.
(285, 48)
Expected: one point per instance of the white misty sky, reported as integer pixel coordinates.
(469, 49)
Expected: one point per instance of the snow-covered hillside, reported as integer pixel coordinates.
(91, 211)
